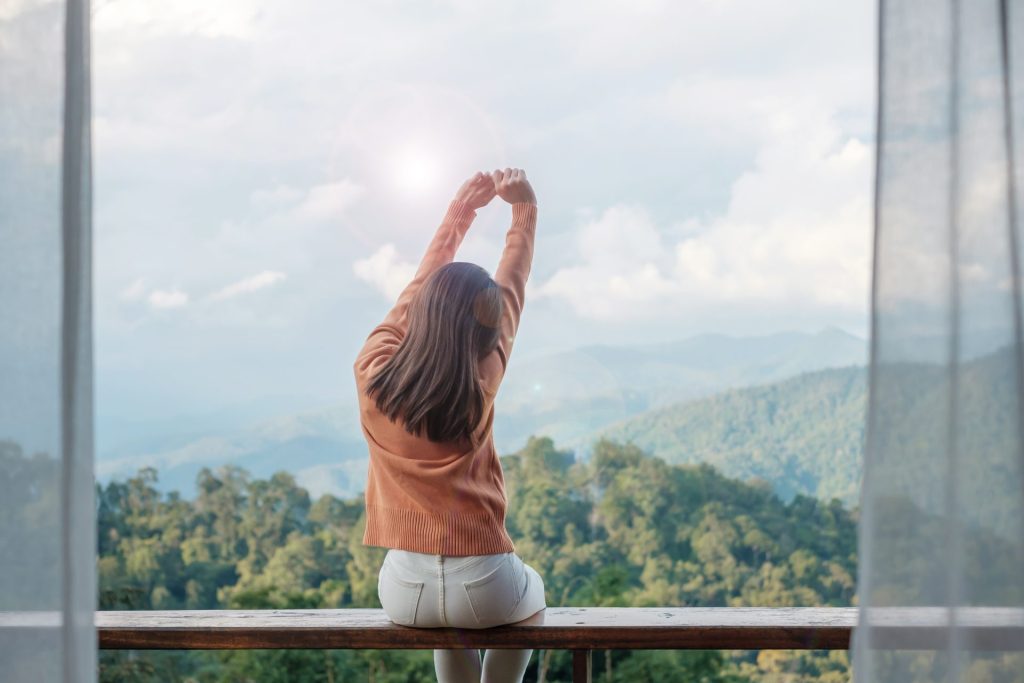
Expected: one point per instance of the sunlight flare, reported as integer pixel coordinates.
(415, 170)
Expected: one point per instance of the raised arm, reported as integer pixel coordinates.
(517, 257)
(475, 193)
(440, 251)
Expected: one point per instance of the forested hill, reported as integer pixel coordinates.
(803, 435)
(620, 529)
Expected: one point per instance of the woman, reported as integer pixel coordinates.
(427, 377)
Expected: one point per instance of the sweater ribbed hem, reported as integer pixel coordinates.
(448, 534)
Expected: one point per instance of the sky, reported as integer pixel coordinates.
(267, 174)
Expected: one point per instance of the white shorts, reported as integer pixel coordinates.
(473, 591)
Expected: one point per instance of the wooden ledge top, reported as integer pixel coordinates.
(703, 628)
(553, 628)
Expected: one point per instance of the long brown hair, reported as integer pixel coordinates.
(432, 383)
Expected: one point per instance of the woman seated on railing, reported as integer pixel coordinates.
(427, 378)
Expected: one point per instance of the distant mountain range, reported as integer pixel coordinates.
(324, 449)
(571, 396)
(803, 435)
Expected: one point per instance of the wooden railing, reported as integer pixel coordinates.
(580, 629)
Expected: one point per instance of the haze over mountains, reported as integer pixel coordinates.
(570, 396)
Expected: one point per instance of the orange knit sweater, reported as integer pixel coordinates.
(433, 497)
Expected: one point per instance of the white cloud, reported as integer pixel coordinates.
(137, 292)
(623, 257)
(796, 233)
(384, 271)
(328, 201)
(167, 298)
(267, 278)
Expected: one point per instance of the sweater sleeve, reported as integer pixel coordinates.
(384, 339)
(513, 271)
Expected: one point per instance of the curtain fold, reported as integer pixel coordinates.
(942, 501)
(47, 495)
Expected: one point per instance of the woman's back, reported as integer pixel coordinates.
(444, 497)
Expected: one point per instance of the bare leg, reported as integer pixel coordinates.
(505, 666)
(457, 666)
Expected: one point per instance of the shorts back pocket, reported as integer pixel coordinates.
(399, 597)
(495, 595)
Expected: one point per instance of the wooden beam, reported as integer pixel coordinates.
(569, 628)
(554, 628)
(747, 628)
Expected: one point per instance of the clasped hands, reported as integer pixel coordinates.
(510, 184)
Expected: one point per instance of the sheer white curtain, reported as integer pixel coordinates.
(942, 508)
(47, 509)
